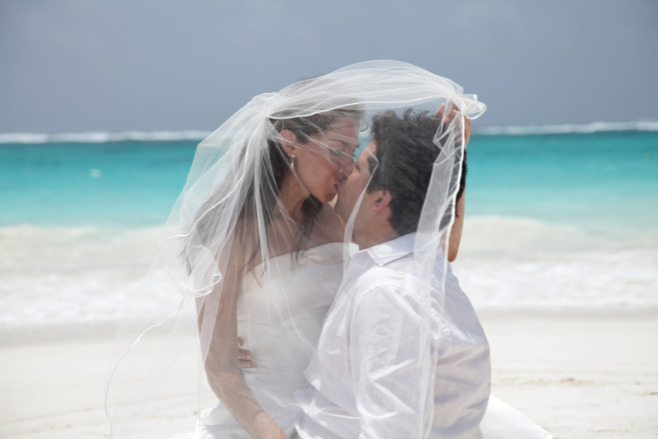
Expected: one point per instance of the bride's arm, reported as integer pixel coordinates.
(221, 364)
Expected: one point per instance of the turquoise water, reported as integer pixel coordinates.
(107, 184)
(553, 222)
(600, 179)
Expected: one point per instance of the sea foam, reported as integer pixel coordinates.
(197, 135)
(83, 277)
(508, 263)
(61, 276)
(102, 137)
(590, 128)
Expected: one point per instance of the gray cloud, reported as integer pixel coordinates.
(69, 65)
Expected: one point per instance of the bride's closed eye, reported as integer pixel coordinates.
(340, 156)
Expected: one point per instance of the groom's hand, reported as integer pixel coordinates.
(447, 117)
(244, 356)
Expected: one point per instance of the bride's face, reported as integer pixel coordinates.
(326, 159)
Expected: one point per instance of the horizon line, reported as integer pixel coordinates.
(182, 135)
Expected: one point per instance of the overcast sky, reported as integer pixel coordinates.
(115, 65)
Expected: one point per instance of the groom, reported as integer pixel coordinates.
(386, 366)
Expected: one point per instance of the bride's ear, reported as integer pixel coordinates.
(288, 141)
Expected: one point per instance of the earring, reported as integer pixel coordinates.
(292, 162)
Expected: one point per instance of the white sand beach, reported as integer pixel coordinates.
(577, 376)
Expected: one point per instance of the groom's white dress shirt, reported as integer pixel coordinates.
(390, 365)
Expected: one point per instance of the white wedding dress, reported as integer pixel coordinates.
(279, 321)
(504, 422)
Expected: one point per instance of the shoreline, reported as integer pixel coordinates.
(579, 376)
(105, 331)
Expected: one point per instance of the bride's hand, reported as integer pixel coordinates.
(244, 356)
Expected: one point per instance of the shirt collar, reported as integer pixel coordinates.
(392, 250)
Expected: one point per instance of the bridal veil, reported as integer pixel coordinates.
(232, 231)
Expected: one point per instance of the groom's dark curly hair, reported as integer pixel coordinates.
(403, 164)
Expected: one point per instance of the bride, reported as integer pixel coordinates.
(258, 251)
(282, 254)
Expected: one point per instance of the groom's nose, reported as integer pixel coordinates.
(345, 171)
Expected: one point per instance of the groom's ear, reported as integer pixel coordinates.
(381, 201)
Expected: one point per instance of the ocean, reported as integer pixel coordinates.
(558, 219)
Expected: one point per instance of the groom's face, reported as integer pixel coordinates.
(355, 184)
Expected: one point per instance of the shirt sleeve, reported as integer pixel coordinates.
(391, 362)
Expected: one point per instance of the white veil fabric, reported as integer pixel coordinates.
(254, 254)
